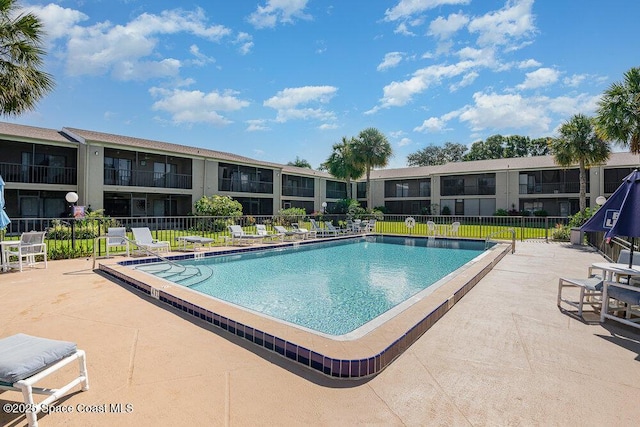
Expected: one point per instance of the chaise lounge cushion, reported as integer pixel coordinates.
(22, 356)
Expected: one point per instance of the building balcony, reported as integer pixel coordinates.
(36, 174)
(134, 178)
(551, 188)
(263, 187)
(296, 191)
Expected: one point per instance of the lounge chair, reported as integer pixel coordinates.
(26, 360)
(307, 233)
(590, 293)
(30, 245)
(322, 232)
(329, 226)
(261, 229)
(296, 233)
(453, 228)
(117, 237)
(239, 236)
(143, 238)
(432, 229)
(370, 227)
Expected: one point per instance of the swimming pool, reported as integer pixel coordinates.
(362, 353)
(335, 287)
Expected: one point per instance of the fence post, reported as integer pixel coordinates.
(546, 229)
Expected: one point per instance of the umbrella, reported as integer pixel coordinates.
(620, 214)
(4, 219)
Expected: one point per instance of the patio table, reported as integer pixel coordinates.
(611, 272)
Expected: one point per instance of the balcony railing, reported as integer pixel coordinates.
(227, 184)
(133, 178)
(551, 188)
(288, 190)
(36, 174)
(469, 190)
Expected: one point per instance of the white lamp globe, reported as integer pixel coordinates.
(71, 197)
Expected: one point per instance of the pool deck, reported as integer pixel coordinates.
(503, 355)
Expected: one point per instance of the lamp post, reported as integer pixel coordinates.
(72, 198)
(324, 207)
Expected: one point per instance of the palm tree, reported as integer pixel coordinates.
(342, 163)
(618, 115)
(22, 83)
(372, 149)
(579, 143)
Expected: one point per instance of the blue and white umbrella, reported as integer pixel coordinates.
(4, 219)
(620, 214)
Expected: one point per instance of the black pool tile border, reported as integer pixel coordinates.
(332, 367)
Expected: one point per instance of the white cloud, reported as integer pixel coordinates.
(257, 125)
(129, 51)
(289, 103)
(404, 142)
(444, 28)
(328, 126)
(196, 106)
(510, 23)
(508, 111)
(397, 94)
(467, 79)
(390, 60)
(403, 29)
(574, 80)
(278, 12)
(245, 41)
(529, 63)
(406, 8)
(539, 78)
(431, 125)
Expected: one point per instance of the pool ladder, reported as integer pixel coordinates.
(497, 233)
(169, 270)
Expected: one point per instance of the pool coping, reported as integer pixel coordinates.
(361, 357)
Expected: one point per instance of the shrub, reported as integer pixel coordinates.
(290, 215)
(561, 232)
(501, 212)
(218, 206)
(445, 210)
(540, 212)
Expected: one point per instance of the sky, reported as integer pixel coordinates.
(276, 80)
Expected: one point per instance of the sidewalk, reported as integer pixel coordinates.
(503, 355)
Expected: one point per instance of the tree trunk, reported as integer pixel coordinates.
(349, 188)
(369, 198)
(583, 187)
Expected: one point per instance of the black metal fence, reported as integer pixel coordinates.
(70, 238)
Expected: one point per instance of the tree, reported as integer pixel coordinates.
(371, 149)
(539, 147)
(301, 163)
(492, 148)
(429, 156)
(343, 164)
(579, 143)
(618, 115)
(22, 83)
(516, 146)
(433, 155)
(218, 206)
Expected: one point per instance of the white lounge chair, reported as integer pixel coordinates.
(291, 234)
(322, 232)
(261, 229)
(432, 229)
(453, 228)
(143, 238)
(239, 236)
(371, 226)
(329, 226)
(25, 360)
(30, 245)
(117, 237)
(307, 233)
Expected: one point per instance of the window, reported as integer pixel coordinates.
(468, 185)
(298, 186)
(408, 188)
(336, 190)
(244, 179)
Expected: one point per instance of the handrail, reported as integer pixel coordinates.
(495, 233)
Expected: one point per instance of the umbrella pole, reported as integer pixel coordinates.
(631, 255)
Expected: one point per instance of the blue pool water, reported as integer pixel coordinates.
(333, 287)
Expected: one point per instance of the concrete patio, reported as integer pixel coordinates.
(504, 355)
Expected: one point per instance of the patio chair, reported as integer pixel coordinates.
(143, 238)
(239, 236)
(30, 245)
(332, 228)
(25, 360)
(117, 237)
(322, 232)
(261, 229)
(290, 234)
(432, 229)
(453, 229)
(590, 293)
(371, 226)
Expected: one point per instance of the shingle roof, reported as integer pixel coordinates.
(33, 133)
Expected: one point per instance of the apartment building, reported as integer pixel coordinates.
(129, 176)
